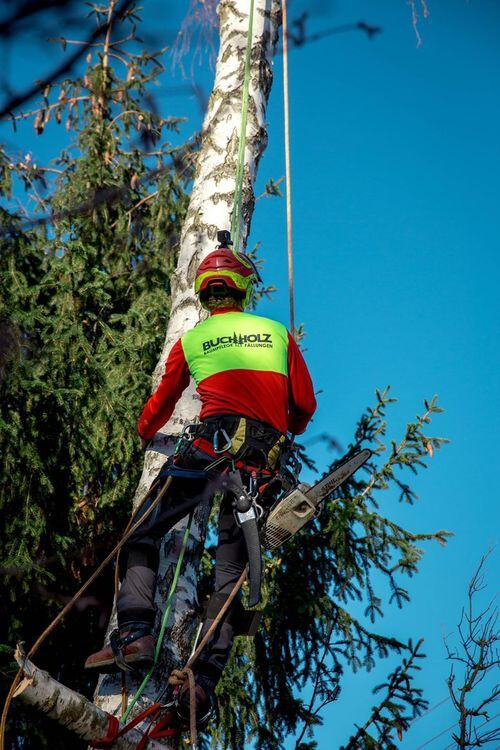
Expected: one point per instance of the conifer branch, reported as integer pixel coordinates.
(329, 695)
(409, 452)
(105, 58)
(393, 715)
(45, 108)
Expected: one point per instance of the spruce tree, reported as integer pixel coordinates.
(310, 636)
(84, 301)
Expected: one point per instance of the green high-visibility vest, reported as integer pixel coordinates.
(235, 341)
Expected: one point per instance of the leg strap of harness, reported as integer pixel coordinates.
(119, 643)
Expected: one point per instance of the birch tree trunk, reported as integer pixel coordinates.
(209, 210)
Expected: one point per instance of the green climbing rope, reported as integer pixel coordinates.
(166, 614)
(240, 165)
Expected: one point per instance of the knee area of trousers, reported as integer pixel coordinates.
(140, 555)
(215, 604)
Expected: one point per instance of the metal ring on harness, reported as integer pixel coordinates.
(190, 431)
(187, 436)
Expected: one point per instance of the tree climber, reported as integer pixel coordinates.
(254, 388)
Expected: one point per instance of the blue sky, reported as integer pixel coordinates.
(396, 168)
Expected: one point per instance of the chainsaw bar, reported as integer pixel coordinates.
(325, 486)
(299, 506)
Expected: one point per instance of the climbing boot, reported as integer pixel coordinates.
(206, 702)
(128, 649)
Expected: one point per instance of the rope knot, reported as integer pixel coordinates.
(183, 679)
(179, 677)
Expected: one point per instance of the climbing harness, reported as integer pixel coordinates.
(248, 441)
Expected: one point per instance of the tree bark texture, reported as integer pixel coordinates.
(209, 210)
(72, 710)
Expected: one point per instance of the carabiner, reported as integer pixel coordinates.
(216, 441)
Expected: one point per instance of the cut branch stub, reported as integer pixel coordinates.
(72, 710)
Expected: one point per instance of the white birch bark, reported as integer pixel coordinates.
(210, 209)
(37, 688)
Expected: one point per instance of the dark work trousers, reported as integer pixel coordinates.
(139, 560)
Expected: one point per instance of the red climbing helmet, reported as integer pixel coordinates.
(236, 271)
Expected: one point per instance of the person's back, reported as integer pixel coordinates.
(254, 387)
(243, 364)
(240, 365)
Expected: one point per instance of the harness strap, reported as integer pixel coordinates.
(111, 735)
(207, 447)
(178, 471)
(118, 644)
(240, 438)
(114, 732)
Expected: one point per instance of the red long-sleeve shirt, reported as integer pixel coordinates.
(286, 402)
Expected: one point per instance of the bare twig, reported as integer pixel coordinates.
(298, 35)
(105, 197)
(478, 653)
(44, 108)
(20, 99)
